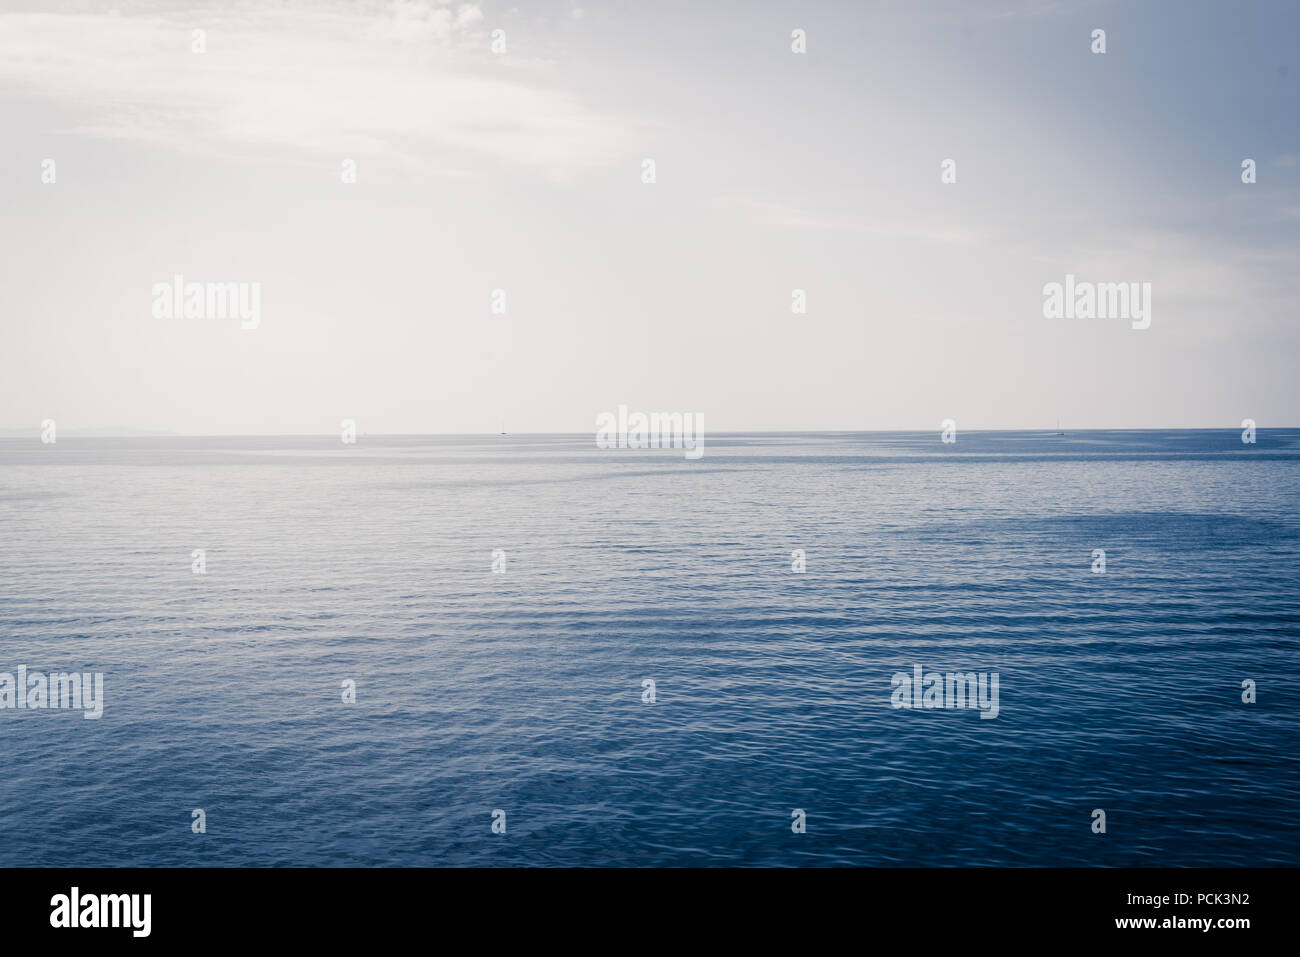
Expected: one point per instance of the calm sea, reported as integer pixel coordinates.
(522, 690)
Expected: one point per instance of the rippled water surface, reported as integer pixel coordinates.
(523, 690)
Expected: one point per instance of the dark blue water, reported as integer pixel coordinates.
(523, 690)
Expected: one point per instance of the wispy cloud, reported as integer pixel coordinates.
(763, 213)
(412, 80)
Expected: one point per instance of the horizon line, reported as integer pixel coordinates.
(97, 433)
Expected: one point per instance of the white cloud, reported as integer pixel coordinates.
(763, 213)
(413, 80)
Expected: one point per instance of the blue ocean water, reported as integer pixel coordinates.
(522, 690)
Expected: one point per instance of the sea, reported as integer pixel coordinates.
(524, 650)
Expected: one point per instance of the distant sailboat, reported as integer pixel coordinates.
(503, 426)
(1058, 428)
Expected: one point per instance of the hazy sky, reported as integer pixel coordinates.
(522, 171)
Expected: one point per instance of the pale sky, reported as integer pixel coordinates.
(522, 171)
